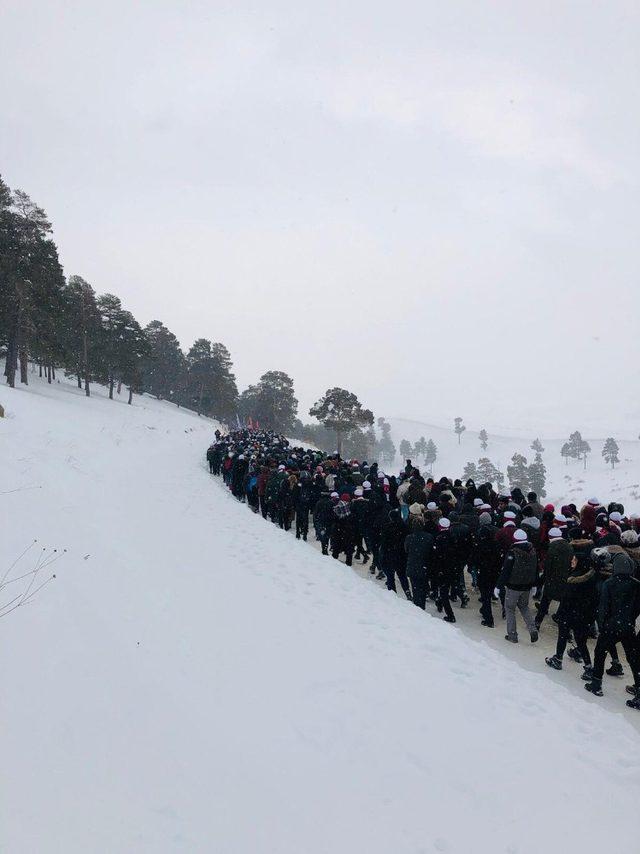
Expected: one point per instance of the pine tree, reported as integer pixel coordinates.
(537, 476)
(164, 367)
(80, 329)
(486, 470)
(385, 447)
(565, 451)
(406, 449)
(420, 447)
(484, 439)
(458, 428)
(431, 454)
(341, 411)
(470, 472)
(536, 446)
(271, 402)
(31, 286)
(610, 452)
(518, 472)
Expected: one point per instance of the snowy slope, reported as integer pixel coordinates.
(565, 482)
(196, 681)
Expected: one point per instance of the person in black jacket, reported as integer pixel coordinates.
(618, 609)
(462, 541)
(392, 555)
(519, 574)
(361, 510)
(302, 495)
(323, 519)
(444, 564)
(418, 546)
(578, 602)
(343, 532)
(486, 557)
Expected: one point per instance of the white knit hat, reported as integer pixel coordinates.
(520, 536)
(358, 491)
(366, 485)
(554, 533)
(477, 502)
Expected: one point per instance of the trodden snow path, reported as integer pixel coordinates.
(197, 681)
(527, 655)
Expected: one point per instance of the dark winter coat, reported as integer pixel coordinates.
(486, 555)
(520, 567)
(415, 494)
(469, 516)
(578, 603)
(362, 512)
(444, 556)
(462, 541)
(323, 513)
(557, 566)
(418, 547)
(619, 604)
(392, 542)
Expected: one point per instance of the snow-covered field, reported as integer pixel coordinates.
(195, 680)
(566, 482)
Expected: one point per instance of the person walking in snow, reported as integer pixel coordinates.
(618, 609)
(418, 546)
(486, 557)
(556, 571)
(578, 603)
(444, 567)
(343, 532)
(519, 574)
(392, 555)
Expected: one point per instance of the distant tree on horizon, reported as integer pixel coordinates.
(610, 452)
(458, 428)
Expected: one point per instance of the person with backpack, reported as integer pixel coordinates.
(519, 574)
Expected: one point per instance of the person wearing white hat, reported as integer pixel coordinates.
(444, 567)
(557, 566)
(519, 574)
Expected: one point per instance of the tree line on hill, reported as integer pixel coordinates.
(56, 323)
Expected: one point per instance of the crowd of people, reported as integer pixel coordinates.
(439, 539)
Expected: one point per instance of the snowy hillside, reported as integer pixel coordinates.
(565, 482)
(195, 680)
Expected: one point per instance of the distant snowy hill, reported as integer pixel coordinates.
(565, 482)
(195, 680)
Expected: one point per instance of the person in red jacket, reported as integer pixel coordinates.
(588, 516)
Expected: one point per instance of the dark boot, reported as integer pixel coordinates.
(615, 669)
(594, 687)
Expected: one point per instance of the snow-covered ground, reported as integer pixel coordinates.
(566, 482)
(195, 680)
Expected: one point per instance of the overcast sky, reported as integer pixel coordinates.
(434, 204)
